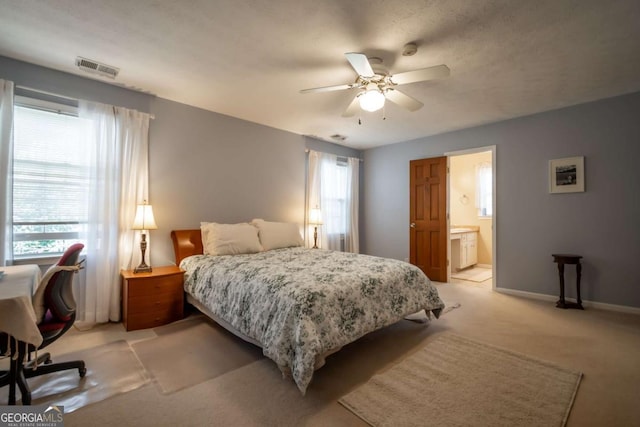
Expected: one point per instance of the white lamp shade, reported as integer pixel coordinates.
(371, 100)
(144, 218)
(315, 217)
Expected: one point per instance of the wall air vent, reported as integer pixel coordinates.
(96, 67)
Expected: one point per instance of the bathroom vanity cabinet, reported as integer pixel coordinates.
(464, 248)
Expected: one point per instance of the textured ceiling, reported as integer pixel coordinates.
(250, 58)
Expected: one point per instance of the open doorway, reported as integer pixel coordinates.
(471, 207)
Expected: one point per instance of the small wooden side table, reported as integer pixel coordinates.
(561, 260)
(152, 299)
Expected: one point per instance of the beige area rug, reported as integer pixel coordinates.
(111, 369)
(192, 351)
(455, 381)
(475, 274)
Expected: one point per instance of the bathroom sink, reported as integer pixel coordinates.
(460, 230)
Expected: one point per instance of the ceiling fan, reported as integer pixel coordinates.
(374, 87)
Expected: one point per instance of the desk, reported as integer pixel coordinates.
(17, 317)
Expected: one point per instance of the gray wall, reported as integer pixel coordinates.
(59, 83)
(206, 166)
(210, 167)
(600, 224)
(203, 166)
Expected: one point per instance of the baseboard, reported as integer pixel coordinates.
(484, 265)
(592, 304)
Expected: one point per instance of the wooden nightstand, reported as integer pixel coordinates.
(152, 299)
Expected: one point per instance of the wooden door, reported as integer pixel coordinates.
(428, 216)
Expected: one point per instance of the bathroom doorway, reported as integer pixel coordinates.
(471, 204)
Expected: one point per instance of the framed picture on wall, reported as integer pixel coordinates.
(566, 175)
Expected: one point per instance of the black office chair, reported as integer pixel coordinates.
(59, 313)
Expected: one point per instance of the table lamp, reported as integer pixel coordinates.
(144, 221)
(315, 219)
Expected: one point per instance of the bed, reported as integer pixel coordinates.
(299, 304)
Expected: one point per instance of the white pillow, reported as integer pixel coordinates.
(229, 239)
(275, 235)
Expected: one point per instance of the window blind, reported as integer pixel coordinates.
(334, 197)
(50, 181)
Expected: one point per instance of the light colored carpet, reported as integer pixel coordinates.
(604, 345)
(111, 369)
(192, 351)
(455, 381)
(475, 274)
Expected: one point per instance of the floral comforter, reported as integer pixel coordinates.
(302, 303)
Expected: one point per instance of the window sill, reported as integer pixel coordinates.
(40, 260)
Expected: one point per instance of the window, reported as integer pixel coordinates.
(484, 190)
(332, 185)
(334, 197)
(50, 178)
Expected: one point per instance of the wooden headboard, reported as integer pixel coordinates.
(186, 243)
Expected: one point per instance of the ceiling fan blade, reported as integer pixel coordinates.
(360, 63)
(420, 75)
(352, 109)
(403, 100)
(328, 88)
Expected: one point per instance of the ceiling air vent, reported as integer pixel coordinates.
(338, 137)
(96, 67)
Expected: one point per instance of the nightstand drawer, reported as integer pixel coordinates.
(154, 302)
(153, 318)
(156, 285)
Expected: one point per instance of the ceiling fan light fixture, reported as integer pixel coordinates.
(371, 100)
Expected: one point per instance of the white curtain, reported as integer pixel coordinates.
(6, 187)
(119, 181)
(352, 238)
(332, 186)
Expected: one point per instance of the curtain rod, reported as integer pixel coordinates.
(68, 98)
(44, 92)
(307, 150)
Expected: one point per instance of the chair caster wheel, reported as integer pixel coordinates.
(82, 372)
